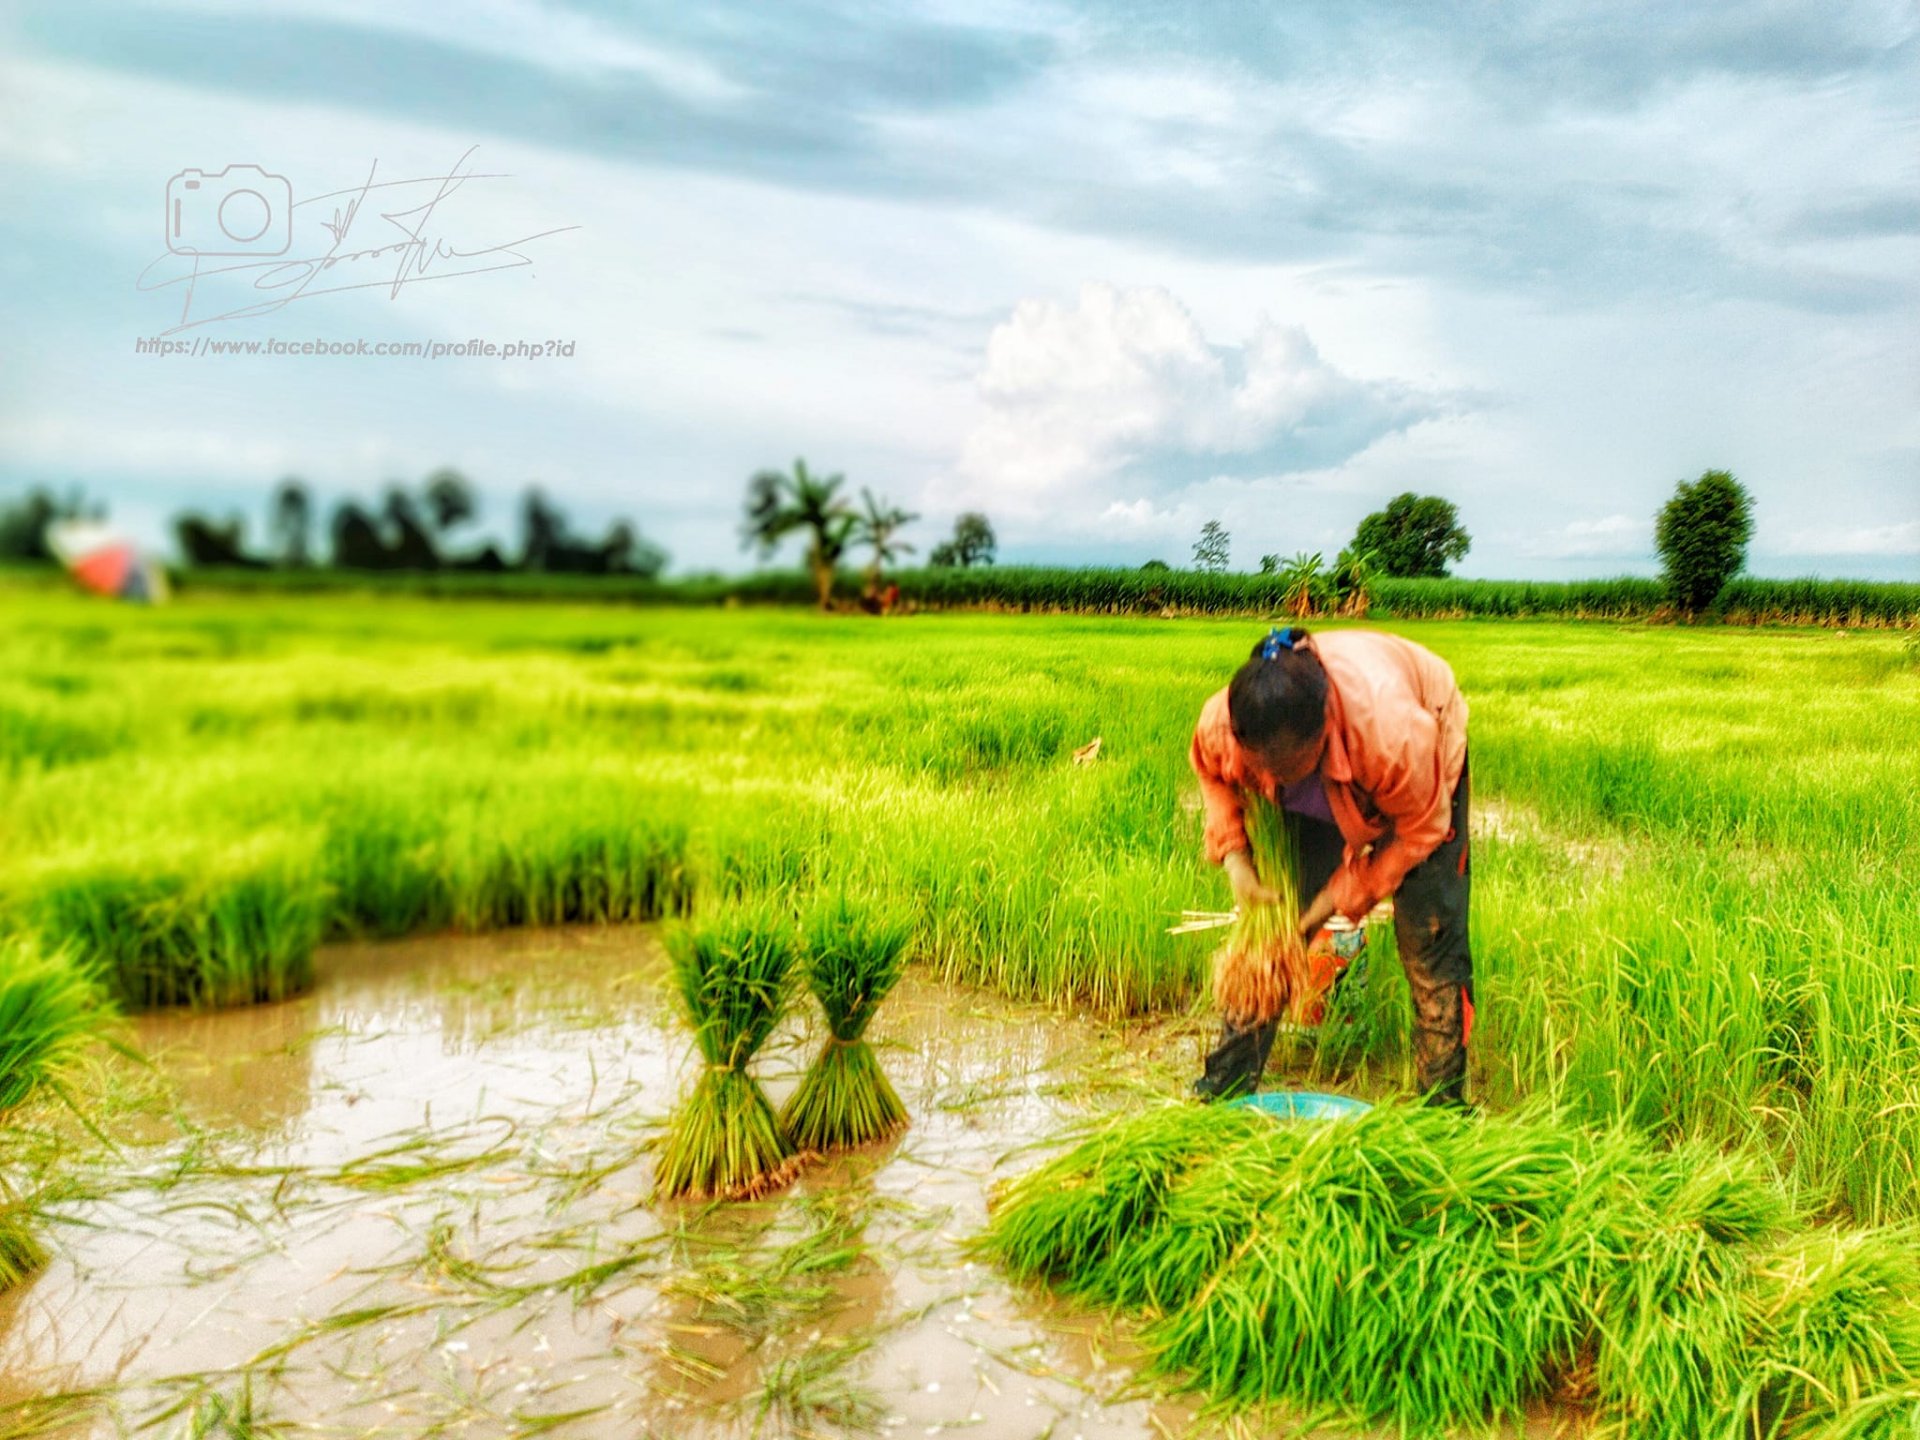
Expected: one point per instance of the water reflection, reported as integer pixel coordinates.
(418, 1197)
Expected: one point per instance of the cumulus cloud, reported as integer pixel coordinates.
(1121, 394)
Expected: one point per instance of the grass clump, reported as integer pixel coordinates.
(1430, 1272)
(186, 925)
(735, 975)
(50, 1016)
(854, 959)
(1261, 972)
(51, 1013)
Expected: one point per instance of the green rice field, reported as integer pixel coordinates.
(1695, 849)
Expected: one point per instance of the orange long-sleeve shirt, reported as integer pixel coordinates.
(1396, 743)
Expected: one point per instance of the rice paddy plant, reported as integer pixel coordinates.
(191, 928)
(565, 865)
(1104, 591)
(1663, 930)
(51, 1014)
(1261, 972)
(21, 1253)
(854, 958)
(735, 974)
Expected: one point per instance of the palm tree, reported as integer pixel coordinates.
(878, 524)
(779, 504)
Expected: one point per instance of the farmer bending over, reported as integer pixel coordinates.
(1361, 739)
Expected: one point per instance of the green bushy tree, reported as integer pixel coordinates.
(1702, 535)
(973, 543)
(1415, 536)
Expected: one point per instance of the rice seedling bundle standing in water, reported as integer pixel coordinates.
(1262, 970)
(735, 974)
(854, 959)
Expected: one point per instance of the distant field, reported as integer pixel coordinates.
(1747, 601)
(1695, 848)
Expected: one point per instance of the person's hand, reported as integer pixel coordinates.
(1247, 889)
(1316, 915)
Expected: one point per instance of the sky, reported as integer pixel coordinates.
(1102, 271)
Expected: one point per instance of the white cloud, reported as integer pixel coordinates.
(1136, 517)
(1902, 538)
(1609, 537)
(1125, 384)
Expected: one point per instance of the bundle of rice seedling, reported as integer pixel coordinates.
(1833, 1334)
(735, 975)
(1673, 1238)
(1064, 1220)
(854, 959)
(51, 1013)
(1823, 1341)
(1262, 971)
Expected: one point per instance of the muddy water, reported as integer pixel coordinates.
(415, 1201)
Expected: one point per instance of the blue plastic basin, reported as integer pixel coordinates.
(1303, 1105)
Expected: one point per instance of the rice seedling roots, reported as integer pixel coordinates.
(844, 1101)
(1262, 972)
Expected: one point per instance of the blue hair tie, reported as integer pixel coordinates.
(1276, 641)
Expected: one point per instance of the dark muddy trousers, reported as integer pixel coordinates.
(1430, 929)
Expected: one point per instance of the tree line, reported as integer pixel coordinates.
(415, 529)
(1701, 533)
(798, 502)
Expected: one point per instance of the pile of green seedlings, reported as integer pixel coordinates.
(737, 974)
(1433, 1272)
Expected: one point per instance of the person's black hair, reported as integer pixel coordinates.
(1280, 695)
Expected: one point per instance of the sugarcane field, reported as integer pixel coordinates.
(1038, 720)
